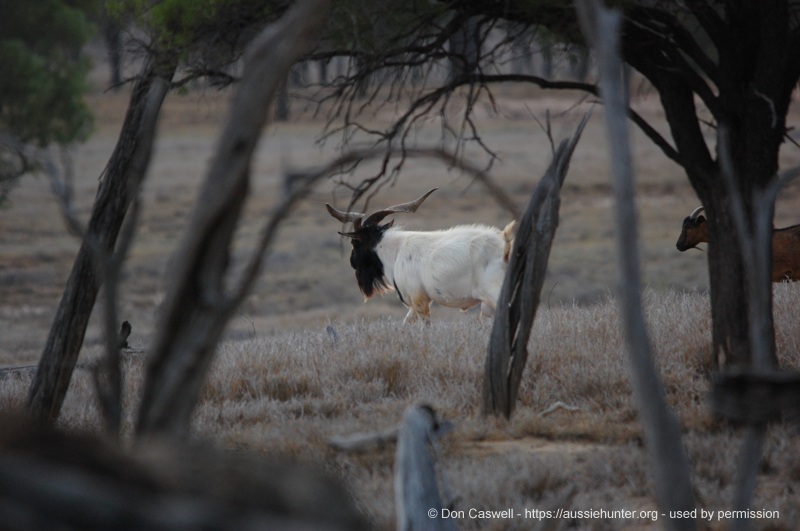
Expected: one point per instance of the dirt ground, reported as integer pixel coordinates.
(308, 280)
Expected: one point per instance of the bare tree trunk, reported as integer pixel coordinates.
(282, 103)
(751, 99)
(731, 307)
(197, 306)
(465, 50)
(113, 37)
(756, 243)
(125, 171)
(662, 433)
(519, 298)
(417, 501)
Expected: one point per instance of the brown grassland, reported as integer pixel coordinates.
(284, 383)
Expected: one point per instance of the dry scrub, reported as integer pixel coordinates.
(289, 394)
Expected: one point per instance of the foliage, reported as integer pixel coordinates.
(184, 22)
(43, 82)
(207, 36)
(370, 27)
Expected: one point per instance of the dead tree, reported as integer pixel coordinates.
(418, 503)
(519, 298)
(198, 303)
(662, 433)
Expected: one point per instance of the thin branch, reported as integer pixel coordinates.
(710, 20)
(196, 308)
(676, 42)
(662, 432)
(425, 103)
(221, 78)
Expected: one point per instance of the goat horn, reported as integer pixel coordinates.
(345, 217)
(409, 207)
(696, 213)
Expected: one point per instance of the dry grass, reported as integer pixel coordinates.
(282, 386)
(289, 394)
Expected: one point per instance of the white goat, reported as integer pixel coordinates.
(458, 267)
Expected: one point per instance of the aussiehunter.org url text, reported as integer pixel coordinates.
(616, 514)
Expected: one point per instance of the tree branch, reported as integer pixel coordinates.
(662, 433)
(196, 308)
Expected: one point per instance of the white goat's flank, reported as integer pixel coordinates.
(458, 267)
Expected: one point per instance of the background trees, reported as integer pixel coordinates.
(721, 69)
(724, 66)
(182, 354)
(43, 81)
(179, 32)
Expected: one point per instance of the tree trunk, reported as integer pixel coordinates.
(113, 37)
(731, 341)
(522, 286)
(119, 184)
(464, 50)
(756, 124)
(198, 303)
(747, 89)
(660, 427)
(418, 503)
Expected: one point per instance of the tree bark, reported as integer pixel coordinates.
(113, 37)
(522, 286)
(123, 175)
(662, 433)
(198, 304)
(418, 503)
(757, 67)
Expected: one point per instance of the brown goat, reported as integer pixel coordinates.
(785, 245)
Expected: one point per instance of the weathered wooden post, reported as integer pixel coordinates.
(416, 494)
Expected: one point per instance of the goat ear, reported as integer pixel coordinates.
(351, 235)
(700, 219)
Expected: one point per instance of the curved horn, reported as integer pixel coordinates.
(695, 213)
(409, 207)
(346, 217)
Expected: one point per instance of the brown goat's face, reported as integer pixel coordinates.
(693, 232)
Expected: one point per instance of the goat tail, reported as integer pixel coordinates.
(508, 236)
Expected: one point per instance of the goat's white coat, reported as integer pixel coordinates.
(458, 267)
